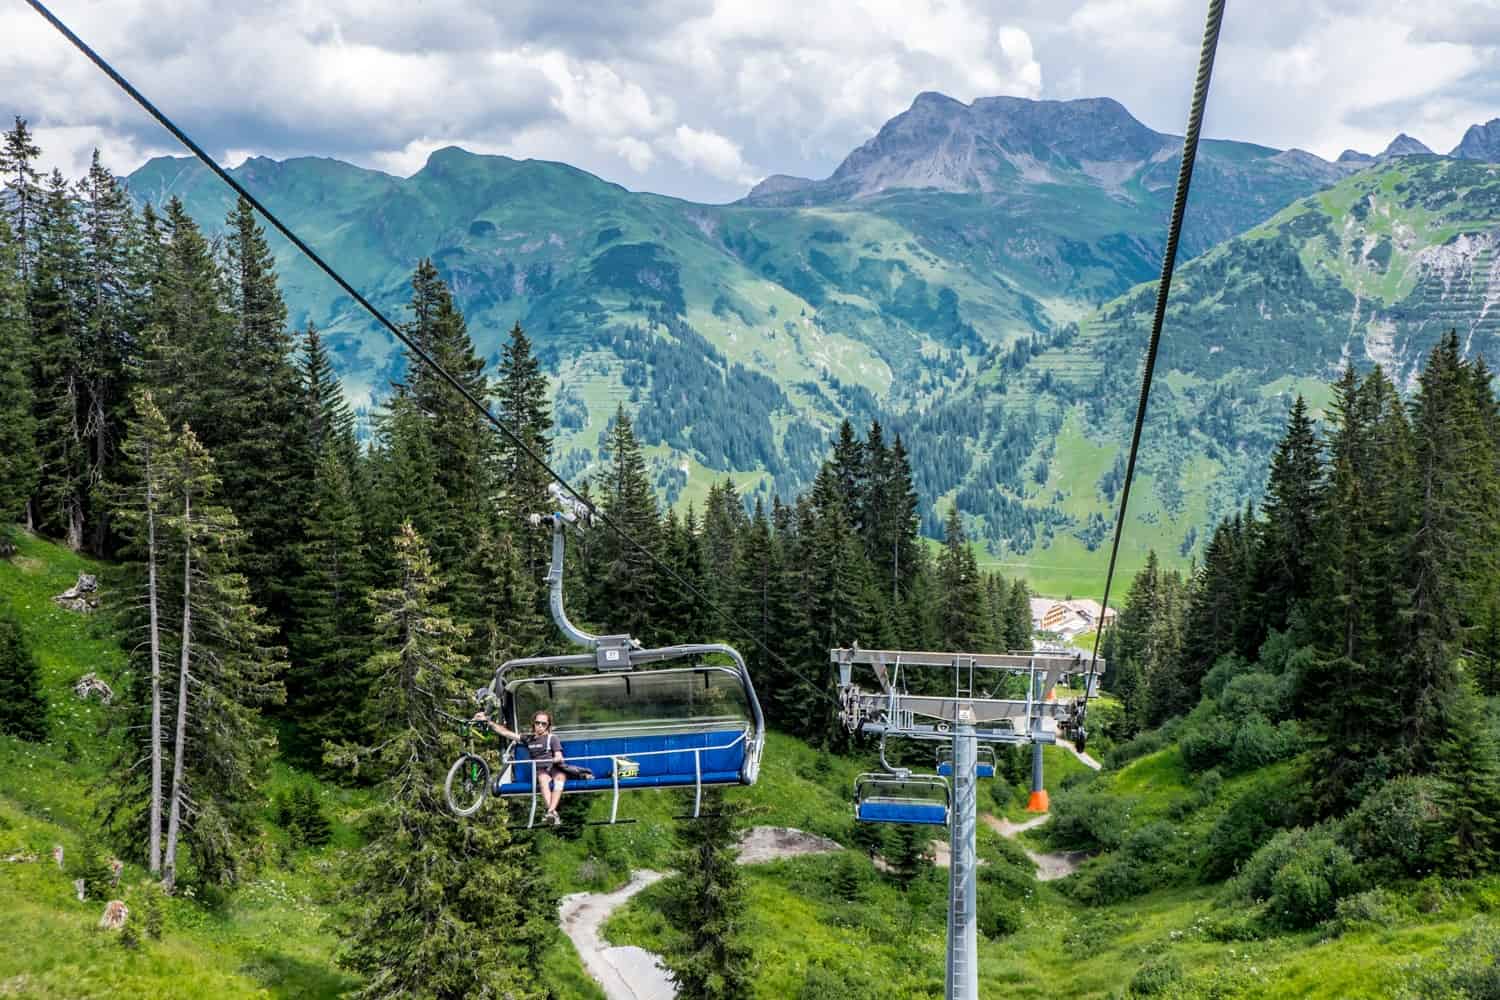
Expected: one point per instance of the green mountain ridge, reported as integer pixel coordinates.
(961, 313)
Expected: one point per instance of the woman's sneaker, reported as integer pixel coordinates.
(553, 818)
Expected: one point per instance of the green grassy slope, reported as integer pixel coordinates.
(270, 939)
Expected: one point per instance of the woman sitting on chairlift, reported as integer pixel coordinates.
(546, 750)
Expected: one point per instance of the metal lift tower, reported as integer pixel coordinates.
(972, 714)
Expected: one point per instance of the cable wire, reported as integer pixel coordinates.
(1169, 259)
(396, 332)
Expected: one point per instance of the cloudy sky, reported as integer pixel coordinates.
(702, 98)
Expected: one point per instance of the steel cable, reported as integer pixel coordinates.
(1174, 233)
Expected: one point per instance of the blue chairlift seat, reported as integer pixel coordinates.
(664, 760)
(902, 798)
(894, 811)
(984, 762)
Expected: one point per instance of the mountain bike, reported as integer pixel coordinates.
(469, 778)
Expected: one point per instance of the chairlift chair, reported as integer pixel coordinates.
(984, 763)
(681, 716)
(924, 799)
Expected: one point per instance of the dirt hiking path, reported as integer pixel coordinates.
(631, 973)
(1049, 866)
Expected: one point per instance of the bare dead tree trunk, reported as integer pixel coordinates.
(174, 822)
(155, 850)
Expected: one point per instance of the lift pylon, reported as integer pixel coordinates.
(977, 712)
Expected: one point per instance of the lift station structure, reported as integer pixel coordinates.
(967, 701)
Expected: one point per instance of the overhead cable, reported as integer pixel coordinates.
(1169, 259)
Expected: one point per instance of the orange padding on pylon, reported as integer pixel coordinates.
(1038, 803)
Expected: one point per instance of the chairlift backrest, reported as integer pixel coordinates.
(902, 798)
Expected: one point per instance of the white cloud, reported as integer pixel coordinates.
(707, 150)
(633, 151)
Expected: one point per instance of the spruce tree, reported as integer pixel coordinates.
(754, 577)
(1442, 556)
(23, 192)
(59, 298)
(1018, 616)
(19, 462)
(522, 402)
(627, 587)
(23, 710)
(110, 345)
(847, 467)
(433, 909)
(907, 853)
(1285, 561)
(227, 672)
(903, 521)
(141, 507)
(706, 904)
(680, 616)
(185, 344)
(256, 447)
(1215, 605)
(1468, 771)
(960, 587)
(1364, 527)
(878, 524)
(325, 411)
(330, 639)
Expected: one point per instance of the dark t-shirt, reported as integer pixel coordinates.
(542, 748)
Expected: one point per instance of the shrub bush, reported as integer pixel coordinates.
(1207, 737)
(1300, 876)
(1258, 743)
(1371, 908)
(23, 710)
(827, 982)
(1085, 818)
(1244, 827)
(1225, 669)
(1254, 693)
(1158, 977)
(1152, 857)
(999, 916)
(1397, 831)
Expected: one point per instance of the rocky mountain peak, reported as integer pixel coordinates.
(1480, 142)
(1405, 145)
(945, 144)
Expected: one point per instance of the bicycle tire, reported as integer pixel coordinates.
(466, 772)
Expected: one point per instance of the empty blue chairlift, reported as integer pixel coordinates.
(896, 798)
(667, 727)
(984, 764)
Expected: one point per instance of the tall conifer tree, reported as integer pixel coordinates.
(18, 456)
(434, 904)
(59, 298)
(23, 191)
(628, 583)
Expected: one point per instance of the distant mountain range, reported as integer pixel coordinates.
(959, 276)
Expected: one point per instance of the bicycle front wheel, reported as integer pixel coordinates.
(467, 785)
